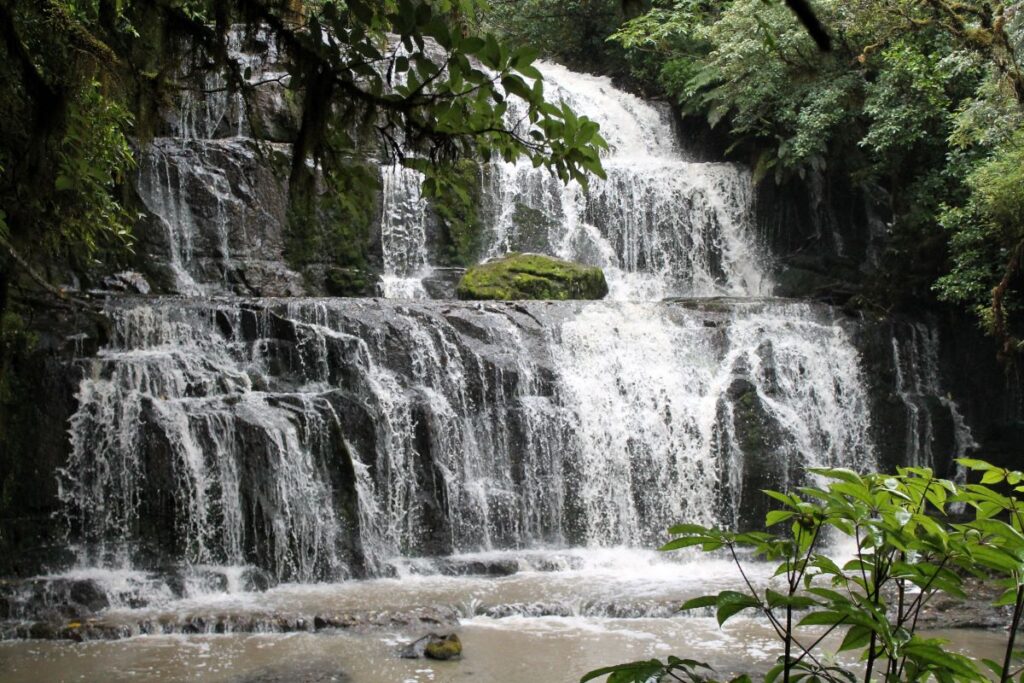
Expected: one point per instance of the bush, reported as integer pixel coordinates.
(909, 548)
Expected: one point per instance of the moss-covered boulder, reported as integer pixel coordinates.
(532, 276)
(444, 648)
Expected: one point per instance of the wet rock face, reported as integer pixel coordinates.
(217, 216)
(765, 465)
(51, 600)
(321, 439)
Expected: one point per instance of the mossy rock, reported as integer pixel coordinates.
(444, 648)
(532, 276)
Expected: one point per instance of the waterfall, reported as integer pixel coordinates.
(324, 438)
(919, 386)
(321, 439)
(659, 225)
(404, 233)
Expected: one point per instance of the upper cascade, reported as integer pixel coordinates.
(659, 225)
(635, 130)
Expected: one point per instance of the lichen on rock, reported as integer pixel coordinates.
(532, 276)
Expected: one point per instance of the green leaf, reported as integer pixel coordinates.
(524, 56)
(633, 672)
(973, 464)
(993, 476)
(857, 636)
(687, 542)
(731, 603)
(517, 86)
(776, 516)
(824, 618)
(697, 603)
(688, 529)
(776, 599)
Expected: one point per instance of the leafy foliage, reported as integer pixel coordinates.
(572, 32)
(908, 549)
(913, 103)
(408, 79)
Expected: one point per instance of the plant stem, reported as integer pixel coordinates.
(871, 659)
(1008, 657)
(789, 642)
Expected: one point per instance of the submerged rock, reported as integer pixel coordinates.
(455, 566)
(434, 646)
(532, 276)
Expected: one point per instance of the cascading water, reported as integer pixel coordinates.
(222, 445)
(449, 428)
(320, 439)
(660, 225)
(404, 234)
(915, 357)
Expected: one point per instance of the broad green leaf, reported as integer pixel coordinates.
(730, 603)
(697, 603)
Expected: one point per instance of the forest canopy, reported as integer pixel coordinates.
(920, 103)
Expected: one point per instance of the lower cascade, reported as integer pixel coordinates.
(325, 439)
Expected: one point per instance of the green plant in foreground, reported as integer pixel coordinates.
(908, 549)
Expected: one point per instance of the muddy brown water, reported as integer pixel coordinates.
(530, 644)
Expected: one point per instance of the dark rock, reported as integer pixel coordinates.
(257, 580)
(88, 595)
(127, 281)
(469, 567)
(442, 282)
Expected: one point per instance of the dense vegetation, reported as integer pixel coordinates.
(909, 548)
(919, 104)
(86, 80)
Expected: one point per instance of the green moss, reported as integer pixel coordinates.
(334, 226)
(346, 281)
(456, 202)
(448, 648)
(532, 276)
(17, 422)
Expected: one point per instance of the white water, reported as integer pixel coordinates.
(512, 423)
(918, 383)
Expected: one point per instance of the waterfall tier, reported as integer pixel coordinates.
(325, 438)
